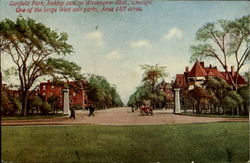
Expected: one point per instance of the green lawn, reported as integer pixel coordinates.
(215, 115)
(201, 143)
(28, 117)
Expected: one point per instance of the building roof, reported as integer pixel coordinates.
(197, 70)
(180, 81)
(240, 81)
(213, 72)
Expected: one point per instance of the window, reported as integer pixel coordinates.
(44, 94)
(52, 87)
(74, 94)
(44, 87)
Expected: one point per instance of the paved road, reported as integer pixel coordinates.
(122, 116)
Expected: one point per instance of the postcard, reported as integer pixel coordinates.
(124, 81)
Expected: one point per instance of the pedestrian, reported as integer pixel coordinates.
(72, 113)
(91, 110)
(133, 108)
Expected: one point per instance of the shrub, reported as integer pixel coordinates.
(5, 104)
(77, 107)
(45, 108)
(17, 106)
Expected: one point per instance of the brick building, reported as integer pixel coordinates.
(169, 94)
(77, 95)
(199, 73)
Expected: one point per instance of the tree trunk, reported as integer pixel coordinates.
(237, 111)
(24, 104)
(193, 104)
(54, 108)
(198, 107)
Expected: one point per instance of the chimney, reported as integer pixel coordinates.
(48, 81)
(202, 64)
(187, 69)
(232, 71)
(210, 66)
(215, 67)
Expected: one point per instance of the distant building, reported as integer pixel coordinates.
(169, 94)
(199, 73)
(10, 92)
(77, 95)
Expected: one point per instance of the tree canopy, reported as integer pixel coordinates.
(149, 90)
(223, 39)
(102, 93)
(152, 74)
(30, 44)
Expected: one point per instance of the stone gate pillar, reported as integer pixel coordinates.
(177, 108)
(65, 101)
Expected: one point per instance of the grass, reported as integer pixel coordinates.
(177, 143)
(216, 115)
(28, 117)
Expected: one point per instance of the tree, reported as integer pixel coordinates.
(37, 102)
(102, 93)
(29, 44)
(223, 39)
(237, 98)
(218, 88)
(6, 104)
(45, 108)
(246, 76)
(199, 96)
(53, 101)
(151, 76)
(61, 69)
(244, 93)
(223, 95)
(142, 93)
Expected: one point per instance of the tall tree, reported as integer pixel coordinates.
(29, 44)
(222, 40)
(151, 76)
(61, 69)
(102, 93)
(199, 96)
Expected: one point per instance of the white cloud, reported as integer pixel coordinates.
(114, 55)
(96, 36)
(173, 33)
(141, 43)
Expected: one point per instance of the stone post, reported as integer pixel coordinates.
(65, 101)
(177, 108)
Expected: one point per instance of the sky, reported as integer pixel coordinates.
(115, 44)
